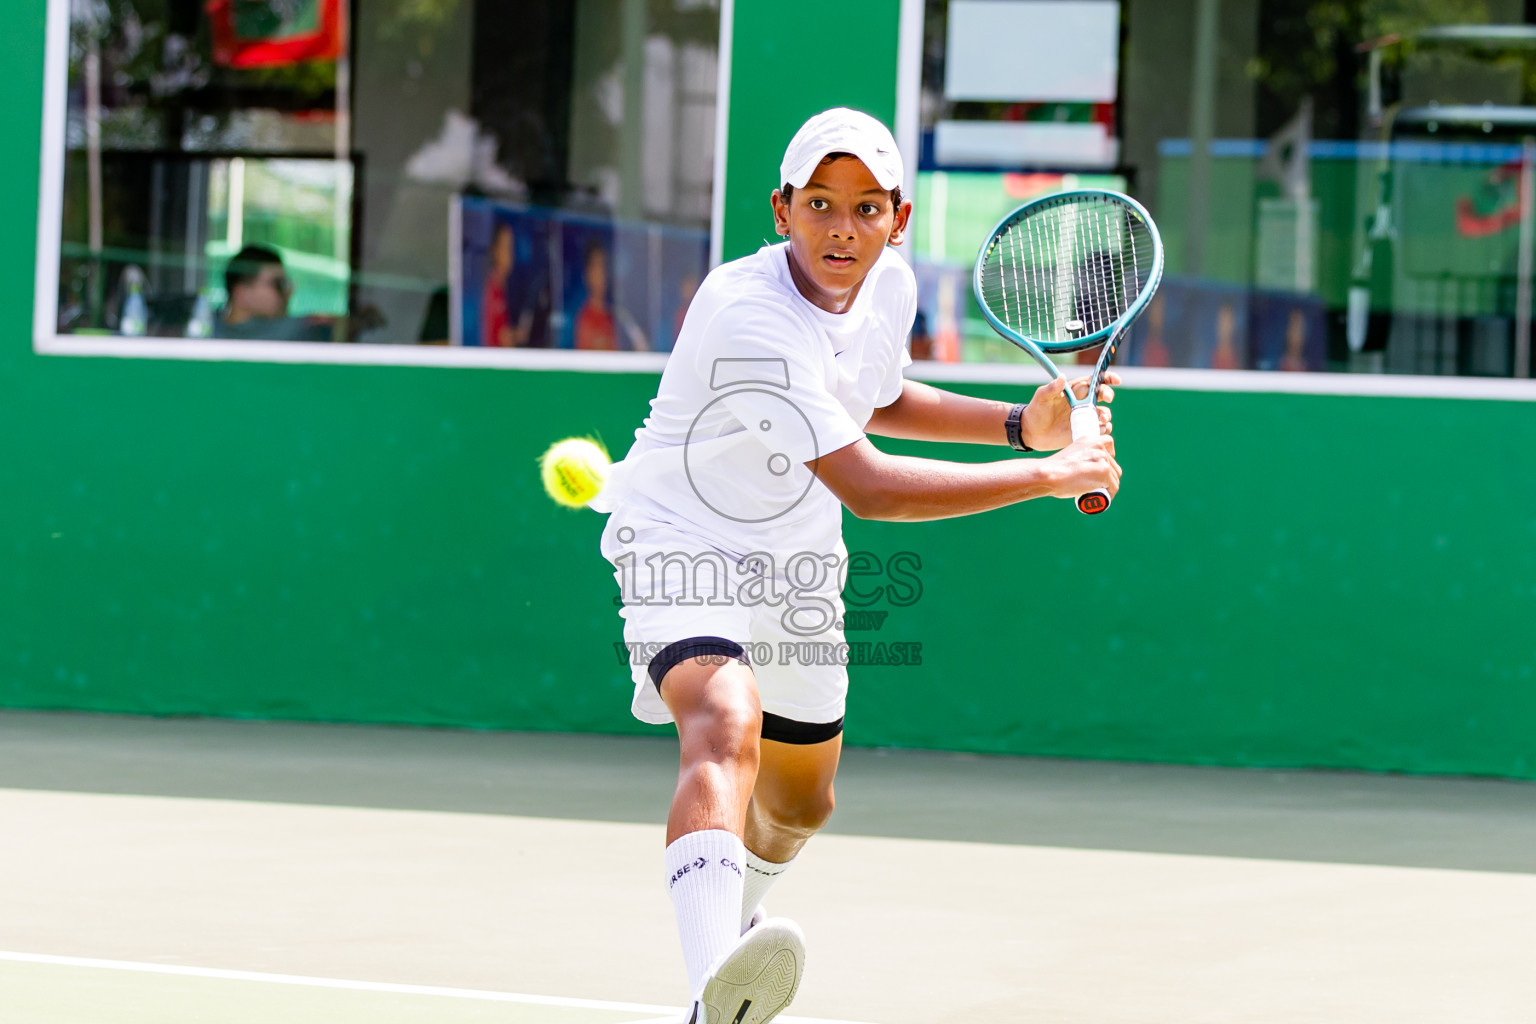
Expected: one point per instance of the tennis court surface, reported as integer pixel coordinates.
(232, 872)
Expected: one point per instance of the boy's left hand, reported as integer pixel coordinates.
(1047, 422)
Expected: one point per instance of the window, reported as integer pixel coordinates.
(376, 173)
(1340, 187)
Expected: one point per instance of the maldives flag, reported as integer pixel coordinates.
(271, 33)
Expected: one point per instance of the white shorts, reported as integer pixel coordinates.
(782, 616)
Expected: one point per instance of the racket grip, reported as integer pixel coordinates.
(1085, 423)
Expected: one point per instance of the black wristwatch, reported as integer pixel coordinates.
(1015, 424)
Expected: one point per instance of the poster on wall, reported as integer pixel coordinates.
(1216, 326)
(535, 277)
(503, 276)
(591, 322)
(683, 264)
(1288, 332)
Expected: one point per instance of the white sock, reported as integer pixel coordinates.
(704, 880)
(761, 874)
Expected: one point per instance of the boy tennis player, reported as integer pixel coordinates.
(726, 534)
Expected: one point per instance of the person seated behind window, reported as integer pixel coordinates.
(257, 307)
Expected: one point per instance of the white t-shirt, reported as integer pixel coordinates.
(760, 382)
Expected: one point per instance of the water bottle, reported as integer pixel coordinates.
(201, 323)
(135, 319)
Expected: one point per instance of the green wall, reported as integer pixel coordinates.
(1285, 580)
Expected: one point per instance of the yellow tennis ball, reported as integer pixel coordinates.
(574, 471)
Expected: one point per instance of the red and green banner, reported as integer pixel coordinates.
(273, 33)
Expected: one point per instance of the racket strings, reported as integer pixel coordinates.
(1068, 270)
(1097, 286)
(1039, 289)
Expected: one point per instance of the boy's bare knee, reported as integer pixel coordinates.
(728, 733)
(718, 715)
(804, 814)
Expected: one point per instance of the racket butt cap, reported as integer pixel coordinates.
(1094, 502)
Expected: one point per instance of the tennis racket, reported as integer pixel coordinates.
(1067, 272)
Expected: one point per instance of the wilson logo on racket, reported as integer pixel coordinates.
(1093, 503)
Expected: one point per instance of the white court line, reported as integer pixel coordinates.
(671, 1012)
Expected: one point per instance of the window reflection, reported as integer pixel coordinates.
(530, 175)
(1340, 187)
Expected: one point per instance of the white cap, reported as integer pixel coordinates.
(841, 130)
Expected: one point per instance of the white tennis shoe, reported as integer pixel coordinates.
(756, 979)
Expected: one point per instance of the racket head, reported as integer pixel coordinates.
(1068, 271)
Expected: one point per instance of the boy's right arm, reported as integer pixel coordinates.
(896, 488)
